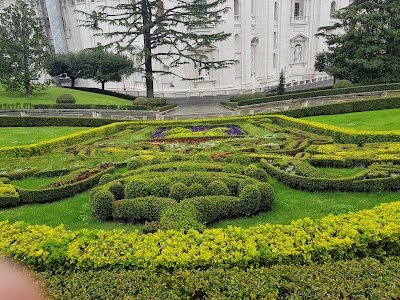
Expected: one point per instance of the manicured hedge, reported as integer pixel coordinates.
(104, 92)
(61, 192)
(54, 121)
(50, 145)
(354, 279)
(350, 184)
(341, 135)
(344, 107)
(319, 93)
(369, 233)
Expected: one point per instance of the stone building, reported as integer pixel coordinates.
(267, 36)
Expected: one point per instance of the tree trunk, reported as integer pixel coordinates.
(147, 48)
(72, 82)
(102, 86)
(28, 88)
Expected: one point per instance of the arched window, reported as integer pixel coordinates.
(333, 8)
(274, 60)
(236, 10)
(275, 40)
(276, 10)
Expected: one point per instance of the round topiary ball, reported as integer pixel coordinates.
(117, 189)
(340, 84)
(102, 202)
(196, 190)
(250, 198)
(257, 173)
(105, 178)
(267, 196)
(160, 187)
(65, 99)
(178, 191)
(136, 188)
(135, 163)
(218, 188)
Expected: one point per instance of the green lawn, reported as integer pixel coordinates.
(16, 136)
(49, 97)
(370, 120)
(293, 204)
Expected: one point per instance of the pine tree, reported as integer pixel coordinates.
(281, 85)
(169, 35)
(23, 48)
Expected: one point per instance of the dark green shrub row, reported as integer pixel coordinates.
(54, 121)
(339, 162)
(350, 184)
(89, 106)
(344, 107)
(141, 209)
(330, 92)
(61, 192)
(355, 279)
(339, 134)
(104, 92)
(150, 101)
(185, 166)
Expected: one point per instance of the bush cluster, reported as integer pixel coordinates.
(150, 101)
(65, 99)
(302, 242)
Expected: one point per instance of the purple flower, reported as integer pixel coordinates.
(200, 128)
(159, 134)
(234, 130)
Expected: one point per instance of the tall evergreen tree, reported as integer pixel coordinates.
(363, 45)
(169, 35)
(23, 48)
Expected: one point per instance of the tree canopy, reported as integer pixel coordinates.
(363, 44)
(23, 48)
(169, 35)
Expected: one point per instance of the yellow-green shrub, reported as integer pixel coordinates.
(8, 195)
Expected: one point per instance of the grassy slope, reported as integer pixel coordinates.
(49, 97)
(16, 136)
(370, 120)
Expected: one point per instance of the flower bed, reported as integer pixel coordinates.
(197, 131)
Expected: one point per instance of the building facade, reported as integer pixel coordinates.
(268, 36)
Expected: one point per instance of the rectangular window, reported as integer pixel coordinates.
(297, 9)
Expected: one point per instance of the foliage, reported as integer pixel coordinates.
(104, 66)
(250, 199)
(256, 173)
(217, 187)
(65, 99)
(23, 48)
(102, 204)
(152, 23)
(361, 46)
(150, 101)
(181, 217)
(267, 196)
(160, 187)
(141, 209)
(178, 191)
(8, 195)
(281, 85)
(340, 84)
(357, 279)
(136, 163)
(195, 190)
(303, 241)
(136, 188)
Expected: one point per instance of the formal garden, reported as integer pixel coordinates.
(253, 207)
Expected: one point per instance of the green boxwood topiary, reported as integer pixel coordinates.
(106, 178)
(136, 188)
(135, 163)
(267, 196)
(178, 191)
(102, 202)
(340, 84)
(176, 157)
(231, 168)
(218, 187)
(5, 180)
(182, 216)
(117, 189)
(65, 99)
(160, 187)
(141, 209)
(240, 159)
(256, 173)
(250, 198)
(196, 190)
